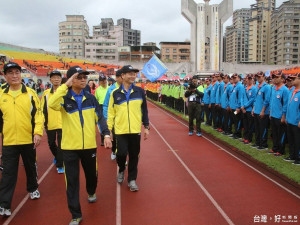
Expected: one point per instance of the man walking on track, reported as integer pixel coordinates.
(52, 121)
(80, 111)
(22, 129)
(126, 112)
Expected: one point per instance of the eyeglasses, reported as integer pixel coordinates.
(80, 77)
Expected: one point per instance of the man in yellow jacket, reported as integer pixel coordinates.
(52, 121)
(127, 111)
(80, 111)
(22, 129)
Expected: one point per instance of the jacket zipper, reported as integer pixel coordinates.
(128, 116)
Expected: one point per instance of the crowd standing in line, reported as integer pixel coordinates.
(240, 107)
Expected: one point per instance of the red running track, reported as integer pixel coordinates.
(183, 180)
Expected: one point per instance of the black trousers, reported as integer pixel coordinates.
(10, 162)
(207, 115)
(248, 121)
(219, 116)
(88, 160)
(293, 134)
(114, 142)
(54, 141)
(194, 113)
(214, 115)
(128, 144)
(278, 135)
(226, 124)
(237, 119)
(261, 130)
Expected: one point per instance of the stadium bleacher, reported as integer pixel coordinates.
(40, 64)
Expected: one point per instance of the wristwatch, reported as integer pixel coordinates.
(147, 127)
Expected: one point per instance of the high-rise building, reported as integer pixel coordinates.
(108, 37)
(206, 32)
(72, 34)
(237, 37)
(175, 51)
(285, 36)
(131, 37)
(259, 31)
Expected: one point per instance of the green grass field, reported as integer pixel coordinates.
(276, 163)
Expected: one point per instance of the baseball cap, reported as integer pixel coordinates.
(293, 76)
(128, 69)
(118, 73)
(76, 69)
(249, 76)
(102, 77)
(11, 65)
(279, 74)
(260, 74)
(55, 72)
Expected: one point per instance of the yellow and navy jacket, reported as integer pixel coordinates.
(20, 117)
(52, 118)
(127, 113)
(77, 135)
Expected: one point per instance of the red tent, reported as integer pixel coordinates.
(175, 78)
(187, 77)
(164, 77)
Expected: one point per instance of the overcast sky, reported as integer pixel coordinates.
(34, 23)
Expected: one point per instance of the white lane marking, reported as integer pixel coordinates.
(22, 203)
(195, 179)
(118, 203)
(264, 175)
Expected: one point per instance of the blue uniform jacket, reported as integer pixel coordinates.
(206, 97)
(249, 98)
(107, 96)
(262, 98)
(293, 109)
(213, 93)
(226, 95)
(279, 100)
(219, 92)
(236, 96)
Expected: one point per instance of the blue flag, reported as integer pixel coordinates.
(154, 69)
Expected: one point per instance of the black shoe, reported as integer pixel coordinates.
(296, 162)
(260, 148)
(254, 146)
(288, 159)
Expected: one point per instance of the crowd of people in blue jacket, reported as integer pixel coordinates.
(250, 108)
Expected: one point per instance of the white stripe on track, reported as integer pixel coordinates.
(118, 203)
(22, 203)
(196, 180)
(264, 175)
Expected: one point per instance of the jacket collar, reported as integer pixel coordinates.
(23, 89)
(86, 95)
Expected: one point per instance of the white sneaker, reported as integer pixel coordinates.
(5, 212)
(120, 177)
(113, 156)
(35, 194)
(132, 185)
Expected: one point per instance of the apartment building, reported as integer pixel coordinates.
(259, 31)
(237, 37)
(285, 35)
(175, 51)
(72, 35)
